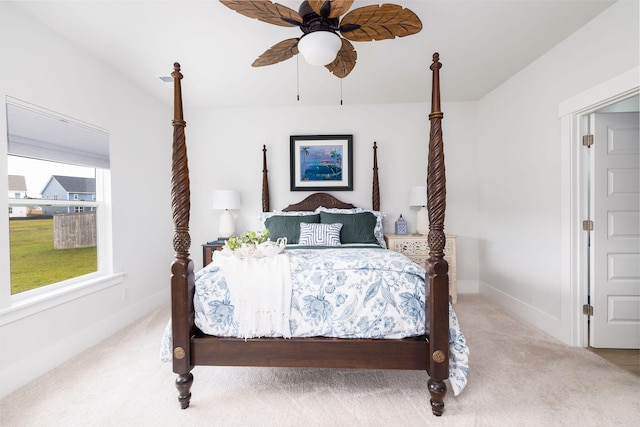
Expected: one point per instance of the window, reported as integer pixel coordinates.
(58, 228)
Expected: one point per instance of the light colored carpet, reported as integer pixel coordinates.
(519, 376)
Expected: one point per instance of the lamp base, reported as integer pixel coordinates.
(422, 221)
(226, 227)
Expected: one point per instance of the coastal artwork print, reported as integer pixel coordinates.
(321, 162)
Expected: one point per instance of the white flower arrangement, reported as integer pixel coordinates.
(255, 244)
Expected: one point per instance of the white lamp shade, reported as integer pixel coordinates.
(320, 47)
(226, 199)
(418, 196)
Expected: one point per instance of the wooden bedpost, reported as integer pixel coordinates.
(375, 196)
(265, 182)
(182, 280)
(437, 267)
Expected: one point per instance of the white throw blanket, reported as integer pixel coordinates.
(260, 291)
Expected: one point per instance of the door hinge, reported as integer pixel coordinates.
(587, 310)
(587, 140)
(587, 225)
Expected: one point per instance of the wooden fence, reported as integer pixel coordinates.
(74, 230)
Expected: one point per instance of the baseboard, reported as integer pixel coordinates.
(26, 370)
(530, 314)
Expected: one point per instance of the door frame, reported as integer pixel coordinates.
(574, 122)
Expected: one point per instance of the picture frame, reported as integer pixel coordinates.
(321, 162)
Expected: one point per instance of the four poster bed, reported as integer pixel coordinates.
(425, 349)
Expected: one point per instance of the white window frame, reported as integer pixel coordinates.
(24, 304)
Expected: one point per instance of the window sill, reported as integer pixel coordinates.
(23, 306)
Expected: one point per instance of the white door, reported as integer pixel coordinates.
(615, 284)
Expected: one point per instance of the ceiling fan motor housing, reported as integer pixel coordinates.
(311, 21)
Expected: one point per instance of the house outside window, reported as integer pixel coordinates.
(17, 190)
(64, 187)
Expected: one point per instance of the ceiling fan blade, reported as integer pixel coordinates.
(345, 60)
(265, 11)
(375, 22)
(277, 53)
(330, 8)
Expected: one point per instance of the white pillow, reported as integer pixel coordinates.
(313, 234)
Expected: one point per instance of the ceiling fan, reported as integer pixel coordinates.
(320, 22)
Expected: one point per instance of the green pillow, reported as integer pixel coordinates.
(356, 227)
(288, 226)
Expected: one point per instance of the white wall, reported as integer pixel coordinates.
(520, 171)
(41, 68)
(225, 151)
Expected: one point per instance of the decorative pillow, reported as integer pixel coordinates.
(356, 227)
(288, 226)
(378, 230)
(320, 234)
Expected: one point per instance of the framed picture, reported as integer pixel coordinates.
(321, 162)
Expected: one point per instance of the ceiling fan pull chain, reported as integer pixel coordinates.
(340, 91)
(298, 76)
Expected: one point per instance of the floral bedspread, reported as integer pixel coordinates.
(348, 293)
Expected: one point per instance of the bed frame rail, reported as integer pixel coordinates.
(311, 353)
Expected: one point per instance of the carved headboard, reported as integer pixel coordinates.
(314, 201)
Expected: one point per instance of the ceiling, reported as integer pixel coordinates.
(481, 44)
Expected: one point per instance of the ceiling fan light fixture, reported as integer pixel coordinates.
(320, 47)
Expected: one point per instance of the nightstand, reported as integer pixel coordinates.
(207, 250)
(416, 248)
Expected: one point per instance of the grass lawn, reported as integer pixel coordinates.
(34, 262)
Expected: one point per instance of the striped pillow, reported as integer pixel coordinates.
(319, 234)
